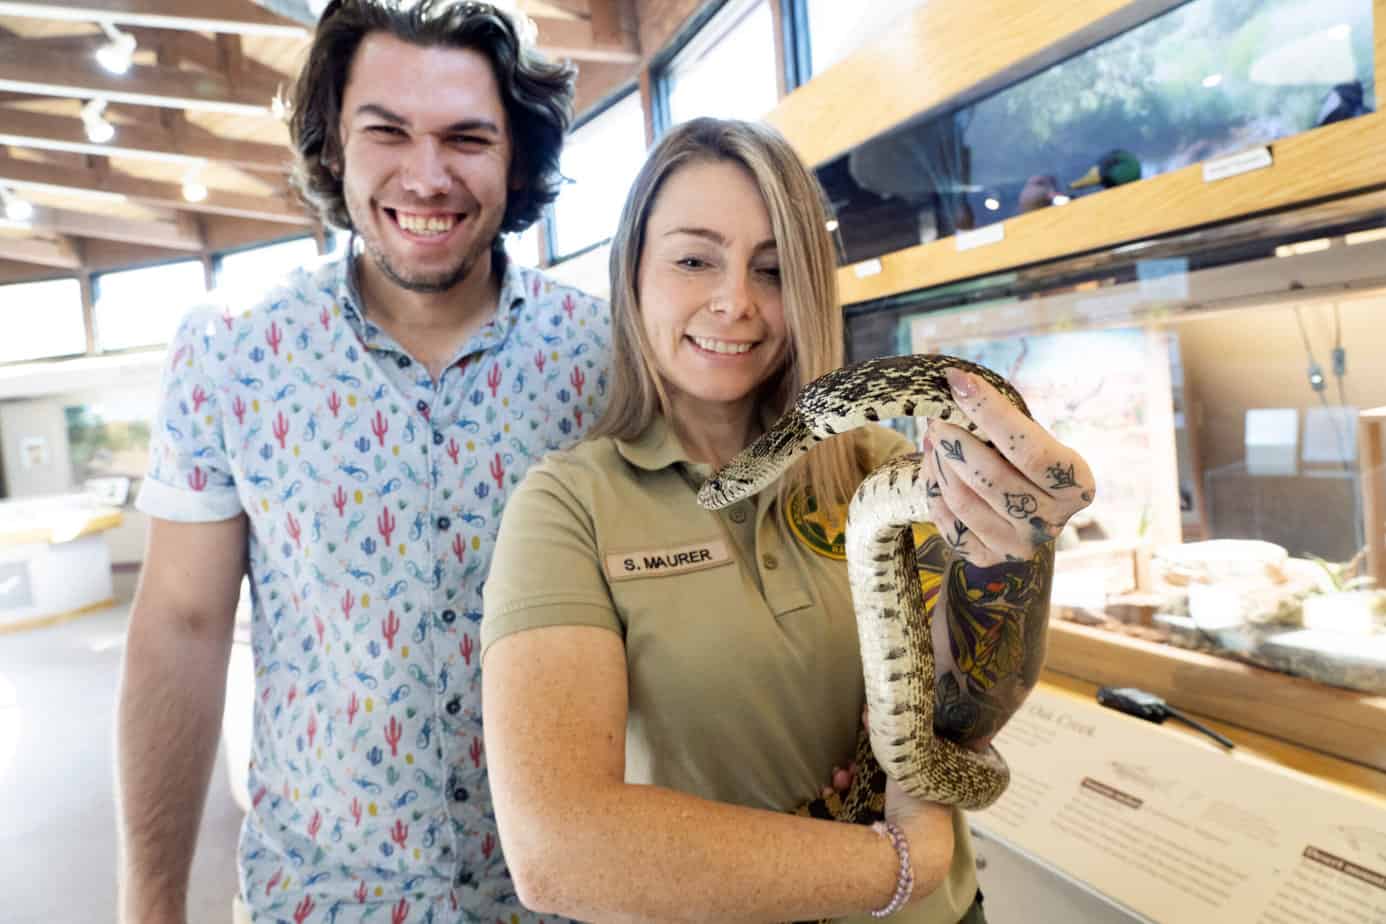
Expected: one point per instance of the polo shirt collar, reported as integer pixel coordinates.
(657, 448)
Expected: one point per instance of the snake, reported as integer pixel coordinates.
(893, 623)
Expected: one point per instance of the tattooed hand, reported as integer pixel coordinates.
(1006, 501)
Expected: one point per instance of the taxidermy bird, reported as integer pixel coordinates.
(1344, 101)
(1116, 168)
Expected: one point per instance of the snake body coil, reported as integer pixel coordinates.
(896, 644)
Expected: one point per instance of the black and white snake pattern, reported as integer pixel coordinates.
(896, 648)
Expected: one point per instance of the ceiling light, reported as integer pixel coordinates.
(16, 209)
(118, 54)
(992, 203)
(1365, 237)
(99, 129)
(1060, 199)
(1317, 245)
(1212, 80)
(832, 225)
(193, 188)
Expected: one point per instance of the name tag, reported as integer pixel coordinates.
(664, 561)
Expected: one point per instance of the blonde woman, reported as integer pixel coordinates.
(662, 683)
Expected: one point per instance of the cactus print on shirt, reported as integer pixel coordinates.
(374, 495)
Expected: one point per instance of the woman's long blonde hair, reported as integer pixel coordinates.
(808, 274)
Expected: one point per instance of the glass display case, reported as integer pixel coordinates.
(1226, 387)
(1206, 79)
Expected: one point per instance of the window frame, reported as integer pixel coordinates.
(694, 37)
(550, 255)
(96, 278)
(82, 314)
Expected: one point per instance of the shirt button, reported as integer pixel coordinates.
(770, 562)
(404, 362)
(454, 706)
(449, 616)
(738, 515)
(421, 405)
(460, 794)
(437, 437)
(444, 523)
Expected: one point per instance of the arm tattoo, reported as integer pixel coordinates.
(989, 642)
(953, 450)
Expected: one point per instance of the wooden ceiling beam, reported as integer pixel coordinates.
(23, 173)
(81, 77)
(59, 253)
(24, 129)
(224, 16)
(580, 39)
(206, 53)
(173, 231)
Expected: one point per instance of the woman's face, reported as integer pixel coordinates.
(709, 288)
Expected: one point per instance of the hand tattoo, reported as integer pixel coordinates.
(1061, 477)
(1021, 506)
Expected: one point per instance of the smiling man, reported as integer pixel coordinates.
(349, 442)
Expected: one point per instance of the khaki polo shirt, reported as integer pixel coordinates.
(745, 681)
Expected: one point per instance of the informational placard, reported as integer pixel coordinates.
(1178, 831)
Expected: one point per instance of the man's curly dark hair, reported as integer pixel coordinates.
(537, 95)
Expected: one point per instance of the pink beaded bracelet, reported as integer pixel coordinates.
(904, 883)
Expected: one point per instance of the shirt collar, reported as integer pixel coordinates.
(660, 447)
(657, 448)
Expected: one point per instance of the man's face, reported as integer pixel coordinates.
(426, 159)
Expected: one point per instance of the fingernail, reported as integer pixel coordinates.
(964, 386)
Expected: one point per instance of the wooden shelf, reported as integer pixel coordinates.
(1348, 725)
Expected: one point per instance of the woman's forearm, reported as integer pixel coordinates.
(989, 643)
(647, 853)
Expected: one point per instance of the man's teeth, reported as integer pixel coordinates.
(721, 346)
(426, 224)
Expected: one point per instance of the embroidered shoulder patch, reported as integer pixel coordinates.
(822, 530)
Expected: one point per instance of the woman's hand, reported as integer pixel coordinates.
(928, 829)
(1000, 502)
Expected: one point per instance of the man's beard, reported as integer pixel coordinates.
(437, 282)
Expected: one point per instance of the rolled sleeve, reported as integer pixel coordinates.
(546, 570)
(189, 478)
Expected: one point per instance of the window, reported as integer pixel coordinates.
(142, 307)
(245, 273)
(62, 332)
(523, 248)
(836, 29)
(728, 69)
(601, 158)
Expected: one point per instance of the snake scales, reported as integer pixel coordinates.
(892, 622)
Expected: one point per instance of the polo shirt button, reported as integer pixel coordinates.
(444, 523)
(445, 850)
(460, 794)
(404, 362)
(770, 562)
(464, 878)
(738, 515)
(449, 616)
(422, 405)
(454, 706)
(437, 437)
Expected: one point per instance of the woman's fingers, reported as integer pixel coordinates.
(1020, 508)
(1032, 450)
(965, 521)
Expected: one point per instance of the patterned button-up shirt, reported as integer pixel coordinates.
(374, 494)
